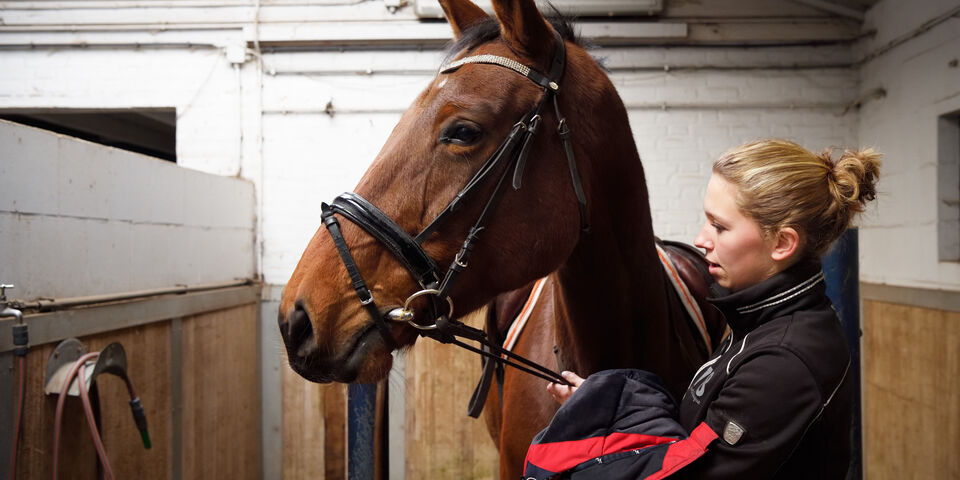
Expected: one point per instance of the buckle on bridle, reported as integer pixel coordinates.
(458, 259)
(365, 301)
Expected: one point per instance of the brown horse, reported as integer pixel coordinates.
(606, 302)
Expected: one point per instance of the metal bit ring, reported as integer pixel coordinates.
(429, 291)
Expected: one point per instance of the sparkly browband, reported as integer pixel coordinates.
(514, 65)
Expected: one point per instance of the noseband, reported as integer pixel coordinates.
(409, 251)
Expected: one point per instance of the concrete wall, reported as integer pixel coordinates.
(79, 219)
(899, 238)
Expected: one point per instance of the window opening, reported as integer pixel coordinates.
(150, 132)
(948, 187)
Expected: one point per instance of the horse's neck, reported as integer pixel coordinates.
(611, 285)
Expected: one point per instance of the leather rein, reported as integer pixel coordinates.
(409, 251)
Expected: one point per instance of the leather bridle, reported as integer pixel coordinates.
(409, 251)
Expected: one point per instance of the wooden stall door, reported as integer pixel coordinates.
(148, 355)
(441, 440)
(221, 395)
(911, 391)
(208, 427)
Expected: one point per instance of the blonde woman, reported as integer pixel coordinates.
(776, 394)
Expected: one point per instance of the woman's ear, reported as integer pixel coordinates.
(788, 243)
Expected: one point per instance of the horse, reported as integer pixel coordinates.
(577, 214)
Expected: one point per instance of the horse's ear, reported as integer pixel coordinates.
(462, 14)
(524, 28)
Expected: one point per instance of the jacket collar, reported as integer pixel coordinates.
(800, 286)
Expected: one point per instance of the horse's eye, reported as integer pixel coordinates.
(460, 134)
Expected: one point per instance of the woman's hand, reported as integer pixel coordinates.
(560, 392)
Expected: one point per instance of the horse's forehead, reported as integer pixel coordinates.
(474, 87)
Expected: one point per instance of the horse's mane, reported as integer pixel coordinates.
(489, 29)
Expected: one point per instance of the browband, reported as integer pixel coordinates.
(510, 63)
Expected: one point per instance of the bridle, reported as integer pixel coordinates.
(409, 251)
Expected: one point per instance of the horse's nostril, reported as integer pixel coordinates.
(299, 332)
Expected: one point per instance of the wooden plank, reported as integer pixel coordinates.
(911, 390)
(335, 432)
(313, 428)
(441, 440)
(147, 349)
(918, 297)
(221, 396)
(82, 322)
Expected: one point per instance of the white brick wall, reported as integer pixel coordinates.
(682, 118)
(899, 234)
(310, 157)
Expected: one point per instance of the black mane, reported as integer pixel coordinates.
(489, 29)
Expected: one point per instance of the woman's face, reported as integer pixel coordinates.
(738, 252)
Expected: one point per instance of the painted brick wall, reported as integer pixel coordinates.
(681, 119)
(708, 100)
(899, 236)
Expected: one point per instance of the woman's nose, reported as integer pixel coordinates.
(702, 240)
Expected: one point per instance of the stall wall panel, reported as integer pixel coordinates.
(148, 363)
(911, 391)
(78, 219)
(441, 440)
(221, 394)
(314, 428)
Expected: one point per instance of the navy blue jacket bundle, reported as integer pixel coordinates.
(774, 397)
(618, 424)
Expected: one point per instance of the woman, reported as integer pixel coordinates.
(776, 392)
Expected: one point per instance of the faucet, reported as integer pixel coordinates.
(7, 311)
(20, 335)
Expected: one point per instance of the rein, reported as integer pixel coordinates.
(409, 251)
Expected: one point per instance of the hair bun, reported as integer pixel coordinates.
(854, 179)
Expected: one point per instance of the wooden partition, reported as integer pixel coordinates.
(441, 441)
(198, 382)
(911, 391)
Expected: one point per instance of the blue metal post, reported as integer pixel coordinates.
(841, 269)
(361, 413)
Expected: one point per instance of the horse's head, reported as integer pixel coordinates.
(447, 136)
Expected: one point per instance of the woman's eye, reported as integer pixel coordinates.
(460, 134)
(719, 228)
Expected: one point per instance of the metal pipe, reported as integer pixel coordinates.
(46, 305)
(849, 12)
(840, 107)
(361, 415)
(841, 269)
(929, 24)
(178, 4)
(429, 72)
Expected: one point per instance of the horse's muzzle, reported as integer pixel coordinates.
(303, 352)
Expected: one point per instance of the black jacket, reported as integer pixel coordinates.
(777, 391)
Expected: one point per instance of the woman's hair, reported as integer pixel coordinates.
(782, 184)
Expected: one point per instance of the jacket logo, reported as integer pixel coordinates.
(732, 432)
(700, 383)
